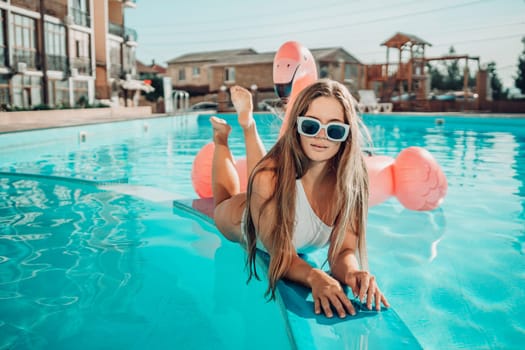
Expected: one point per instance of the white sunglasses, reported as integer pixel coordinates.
(310, 127)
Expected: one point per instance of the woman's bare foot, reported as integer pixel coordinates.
(243, 103)
(221, 130)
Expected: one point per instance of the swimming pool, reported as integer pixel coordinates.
(92, 252)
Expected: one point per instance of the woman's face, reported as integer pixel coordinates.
(319, 148)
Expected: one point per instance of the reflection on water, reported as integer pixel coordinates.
(66, 253)
(83, 268)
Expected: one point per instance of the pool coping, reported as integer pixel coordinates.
(39, 122)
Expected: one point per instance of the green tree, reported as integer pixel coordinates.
(157, 84)
(495, 83)
(520, 79)
(454, 78)
(437, 80)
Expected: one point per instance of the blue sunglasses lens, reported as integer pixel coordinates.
(310, 127)
(336, 132)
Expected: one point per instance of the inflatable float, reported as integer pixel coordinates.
(413, 177)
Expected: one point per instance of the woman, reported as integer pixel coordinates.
(309, 191)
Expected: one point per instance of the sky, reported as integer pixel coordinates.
(489, 29)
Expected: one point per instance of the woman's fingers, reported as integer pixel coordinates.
(371, 292)
(384, 300)
(317, 306)
(364, 282)
(347, 305)
(325, 304)
(338, 301)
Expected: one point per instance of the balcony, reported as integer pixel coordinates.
(3, 55)
(80, 17)
(82, 65)
(130, 3)
(27, 4)
(116, 29)
(30, 58)
(115, 71)
(53, 8)
(56, 62)
(129, 34)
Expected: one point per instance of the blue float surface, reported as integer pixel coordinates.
(366, 330)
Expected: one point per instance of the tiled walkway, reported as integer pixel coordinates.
(12, 122)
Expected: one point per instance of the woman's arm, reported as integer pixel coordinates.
(327, 292)
(346, 270)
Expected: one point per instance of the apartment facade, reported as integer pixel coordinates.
(64, 53)
(208, 73)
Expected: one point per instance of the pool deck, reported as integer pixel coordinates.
(26, 121)
(14, 121)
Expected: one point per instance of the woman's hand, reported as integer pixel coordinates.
(327, 293)
(363, 285)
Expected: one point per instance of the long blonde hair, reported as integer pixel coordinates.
(290, 163)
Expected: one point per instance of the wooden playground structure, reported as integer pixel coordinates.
(408, 84)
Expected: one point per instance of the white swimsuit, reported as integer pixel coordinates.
(310, 231)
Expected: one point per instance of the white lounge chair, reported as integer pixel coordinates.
(368, 103)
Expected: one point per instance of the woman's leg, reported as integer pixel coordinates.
(243, 103)
(224, 179)
(229, 204)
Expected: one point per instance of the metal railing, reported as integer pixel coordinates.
(3, 56)
(56, 62)
(127, 33)
(115, 70)
(81, 64)
(130, 34)
(28, 57)
(116, 29)
(80, 17)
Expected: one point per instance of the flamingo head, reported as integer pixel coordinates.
(293, 68)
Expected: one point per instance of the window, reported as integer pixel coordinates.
(324, 72)
(24, 46)
(56, 46)
(2, 39)
(80, 51)
(196, 71)
(26, 90)
(4, 91)
(229, 74)
(115, 57)
(58, 93)
(129, 59)
(80, 93)
(182, 74)
(350, 71)
(80, 11)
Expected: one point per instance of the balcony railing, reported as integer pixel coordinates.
(30, 58)
(3, 55)
(116, 29)
(56, 62)
(27, 4)
(115, 71)
(80, 17)
(82, 65)
(130, 34)
(127, 33)
(51, 7)
(55, 8)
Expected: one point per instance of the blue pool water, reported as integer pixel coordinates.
(85, 265)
